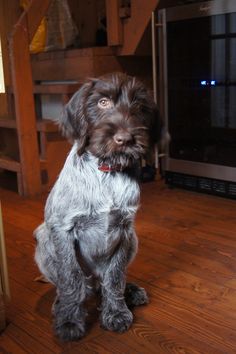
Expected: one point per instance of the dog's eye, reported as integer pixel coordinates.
(105, 103)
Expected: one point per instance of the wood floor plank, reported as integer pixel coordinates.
(23, 339)
(8, 345)
(189, 319)
(209, 269)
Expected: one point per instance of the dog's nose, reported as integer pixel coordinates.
(122, 137)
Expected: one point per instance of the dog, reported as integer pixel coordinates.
(88, 232)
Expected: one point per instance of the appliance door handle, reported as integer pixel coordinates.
(159, 30)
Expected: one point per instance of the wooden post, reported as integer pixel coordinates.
(2, 313)
(4, 285)
(23, 93)
(25, 110)
(3, 261)
(114, 25)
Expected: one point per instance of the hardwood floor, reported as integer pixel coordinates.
(186, 261)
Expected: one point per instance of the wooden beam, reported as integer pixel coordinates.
(134, 27)
(35, 12)
(114, 24)
(25, 110)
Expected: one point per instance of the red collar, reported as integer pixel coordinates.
(110, 168)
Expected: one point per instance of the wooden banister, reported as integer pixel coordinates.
(22, 83)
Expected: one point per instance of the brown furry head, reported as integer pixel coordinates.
(114, 117)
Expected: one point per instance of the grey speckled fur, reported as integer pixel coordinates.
(88, 233)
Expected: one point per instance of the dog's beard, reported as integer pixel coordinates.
(103, 146)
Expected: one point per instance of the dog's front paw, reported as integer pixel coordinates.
(69, 320)
(69, 330)
(117, 321)
(135, 295)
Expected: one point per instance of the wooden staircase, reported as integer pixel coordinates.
(52, 146)
(39, 152)
(126, 32)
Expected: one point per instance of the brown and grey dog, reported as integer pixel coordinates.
(88, 232)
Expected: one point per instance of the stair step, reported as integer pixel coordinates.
(44, 125)
(7, 123)
(74, 64)
(47, 126)
(53, 88)
(9, 164)
(56, 88)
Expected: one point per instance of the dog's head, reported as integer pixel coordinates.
(114, 117)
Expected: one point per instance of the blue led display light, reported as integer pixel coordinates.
(208, 83)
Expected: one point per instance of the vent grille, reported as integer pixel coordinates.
(232, 189)
(201, 184)
(204, 184)
(219, 186)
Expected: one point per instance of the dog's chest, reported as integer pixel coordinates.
(112, 216)
(99, 207)
(120, 192)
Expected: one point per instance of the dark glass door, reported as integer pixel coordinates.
(201, 56)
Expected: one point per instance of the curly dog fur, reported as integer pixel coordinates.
(88, 232)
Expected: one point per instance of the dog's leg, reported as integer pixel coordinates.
(115, 315)
(56, 258)
(135, 295)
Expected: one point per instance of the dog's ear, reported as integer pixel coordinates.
(73, 122)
